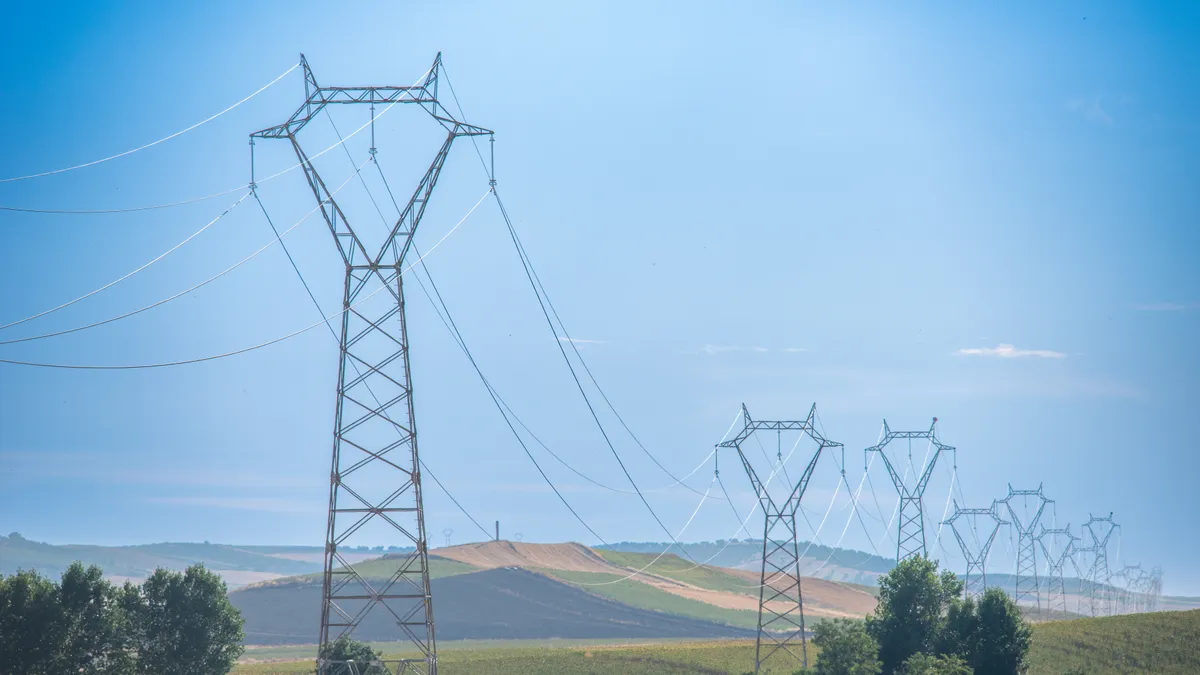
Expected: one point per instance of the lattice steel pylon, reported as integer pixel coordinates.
(976, 560)
(910, 539)
(1099, 596)
(375, 478)
(1027, 585)
(780, 596)
(1056, 559)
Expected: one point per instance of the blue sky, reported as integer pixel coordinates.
(982, 214)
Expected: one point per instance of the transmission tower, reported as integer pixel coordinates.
(1128, 595)
(1027, 586)
(910, 539)
(780, 597)
(1098, 598)
(976, 560)
(375, 480)
(1056, 559)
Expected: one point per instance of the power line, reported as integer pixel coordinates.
(153, 143)
(227, 270)
(528, 273)
(333, 333)
(245, 186)
(130, 274)
(214, 357)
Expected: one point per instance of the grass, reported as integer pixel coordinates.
(378, 568)
(673, 567)
(1165, 643)
(643, 596)
(708, 657)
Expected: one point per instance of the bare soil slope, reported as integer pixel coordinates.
(493, 554)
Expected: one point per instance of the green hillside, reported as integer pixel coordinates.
(644, 596)
(377, 569)
(673, 567)
(17, 553)
(1163, 643)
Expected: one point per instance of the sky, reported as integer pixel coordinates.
(983, 214)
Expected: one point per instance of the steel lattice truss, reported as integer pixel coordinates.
(910, 540)
(780, 598)
(1027, 586)
(1057, 555)
(976, 560)
(1098, 598)
(375, 482)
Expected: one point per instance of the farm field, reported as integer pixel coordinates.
(1165, 643)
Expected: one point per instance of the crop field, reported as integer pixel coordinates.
(668, 658)
(1166, 643)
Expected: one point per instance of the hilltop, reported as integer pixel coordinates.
(552, 586)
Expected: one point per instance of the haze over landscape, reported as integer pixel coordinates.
(978, 224)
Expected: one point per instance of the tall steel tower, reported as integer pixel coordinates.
(375, 480)
(976, 560)
(1099, 596)
(780, 597)
(1027, 586)
(910, 539)
(1058, 552)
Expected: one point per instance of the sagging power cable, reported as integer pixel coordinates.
(358, 373)
(542, 303)
(110, 284)
(153, 143)
(261, 345)
(227, 270)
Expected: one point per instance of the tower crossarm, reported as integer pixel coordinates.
(317, 98)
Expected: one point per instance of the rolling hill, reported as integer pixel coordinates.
(670, 598)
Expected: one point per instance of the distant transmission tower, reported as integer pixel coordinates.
(1099, 596)
(1057, 555)
(375, 481)
(1027, 586)
(447, 533)
(976, 560)
(910, 540)
(780, 598)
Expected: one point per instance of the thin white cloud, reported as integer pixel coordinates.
(582, 341)
(760, 350)
(1091, 109)
(1169, 307)
(719, 349)
(268, 504)
(1007, 351)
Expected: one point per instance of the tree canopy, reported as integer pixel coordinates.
(176, 623)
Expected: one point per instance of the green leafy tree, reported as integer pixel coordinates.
(93, 632)
(185, 624)
(1004, 636)
(30, 624)
(925, 664)
(336, 656)
(908, 620)
(846, 649)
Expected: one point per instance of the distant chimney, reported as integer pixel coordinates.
(497, 530)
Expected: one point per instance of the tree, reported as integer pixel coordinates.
(1004, 636)
(93, 635)
(186, 624)
(924, 664)
(30, 620)
(909, 617)
(337, 655)
(846, 649)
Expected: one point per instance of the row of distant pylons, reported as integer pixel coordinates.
(1098, 589)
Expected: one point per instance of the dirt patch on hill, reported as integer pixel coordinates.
(824, 598)
(496, 554)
